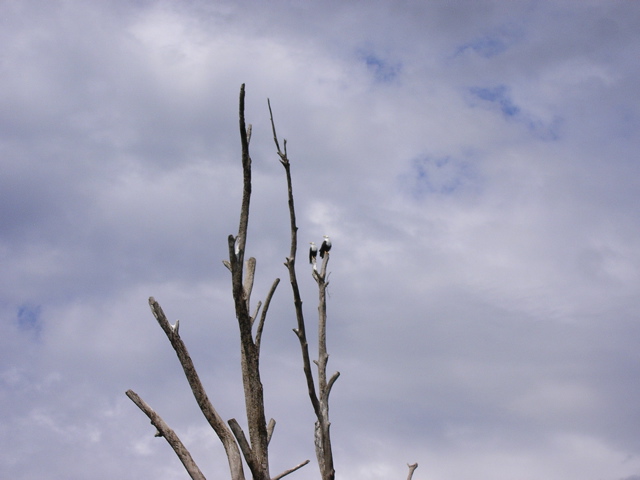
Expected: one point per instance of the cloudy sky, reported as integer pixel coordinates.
(475, 163)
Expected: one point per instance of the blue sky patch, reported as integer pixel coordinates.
(382, 70)
(499, 96)
(436, 175)
(486, 47)
(495, 42)
(29, 317)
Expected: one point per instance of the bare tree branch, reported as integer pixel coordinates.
(291, 470)
(283, 156)
(319, 402)
(253, 390)
(300, 331)
(169, 435)
(263, 317)
(332, 380)
(412, 469)
(255, 314)
(270, 428)
(244, 444)
(248, 279)
(323, 436)
(210, 413)
(246, 179)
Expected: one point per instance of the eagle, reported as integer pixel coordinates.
(325, 247)
(313, 251)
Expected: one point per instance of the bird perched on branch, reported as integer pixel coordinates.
(325, 247)
(313, 252)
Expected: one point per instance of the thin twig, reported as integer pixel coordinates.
(255, 314)
(291, 470)
(263, 317)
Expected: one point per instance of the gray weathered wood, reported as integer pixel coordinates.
(169, 435)
(215, 420)
(412, 468)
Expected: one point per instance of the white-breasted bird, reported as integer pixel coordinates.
(313, 251)
(326, 246)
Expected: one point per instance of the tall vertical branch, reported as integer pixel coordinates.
(320, 403)
(253, 390)
(322, 430)
(300, 331)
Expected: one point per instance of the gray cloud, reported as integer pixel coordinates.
(475, 165)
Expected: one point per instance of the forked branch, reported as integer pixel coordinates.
(217, 423)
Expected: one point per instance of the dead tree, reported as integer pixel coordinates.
(254, 449)
(319, 397)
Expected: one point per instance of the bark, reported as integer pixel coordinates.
(412, 469)
(322, 430)
(257, 455)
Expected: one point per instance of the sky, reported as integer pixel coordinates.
(475, 164)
